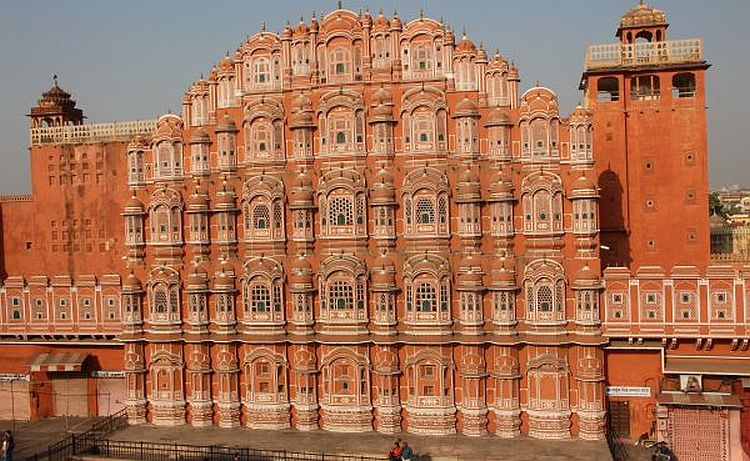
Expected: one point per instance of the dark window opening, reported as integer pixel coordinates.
(683, 85)
(607, 89)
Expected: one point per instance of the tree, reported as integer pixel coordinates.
(719, 208)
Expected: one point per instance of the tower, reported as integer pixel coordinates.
(647, 96)
(55, 108)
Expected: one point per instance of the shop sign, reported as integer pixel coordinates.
(627, 391)
(107, 374)
(5, 377)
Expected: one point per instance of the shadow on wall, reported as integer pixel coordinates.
(615, 246)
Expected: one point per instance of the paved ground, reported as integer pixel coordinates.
(446, 448)
(34, 437)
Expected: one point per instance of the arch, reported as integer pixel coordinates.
(342, 204)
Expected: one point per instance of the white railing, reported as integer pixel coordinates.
(669, 52)
(71, 134)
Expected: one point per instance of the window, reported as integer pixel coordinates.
(683, 85)
(262, 67)
(260, 300)
(425, 211)
(261, 217)
(645, 87)
(426, 298)
(341, 211)
(608, 89)
(340, 295)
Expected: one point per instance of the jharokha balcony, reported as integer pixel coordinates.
(689, 51)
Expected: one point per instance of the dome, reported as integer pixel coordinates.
(381, 22)
(198, 199)
(300, 272)
(503, 273)
(465, 45)
(302, 195)
(301, 28)
(382, 191)
(301, 102)
(383, 272)
(501, 185)
(466, 108)
(382, 96)
(197, 280)
(132, 284)
(468, 187)
(449, 37)
(287, 32)
(134, 206)
(226, 125)
(226, 64)
(585, 277)
(499, 117)
(200, 136)
(301, 120)
(643, 16)
(56, 98)
(224, 279)
(481, 54)
(226, 197)
(314, 24)
(583, 184)
(396, 22)
(470, 271)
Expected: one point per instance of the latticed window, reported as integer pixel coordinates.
(160, 300)
(340, 295)
(544, 299)
(341, 211)
(425, 211)
(260, 217)
(197, 304)
(260, 298)
(262, 70)
(426, 297)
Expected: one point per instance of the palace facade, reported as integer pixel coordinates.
(364, 224)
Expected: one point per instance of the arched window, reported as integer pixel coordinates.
(263, 218)
(423, 123)
(167, 159)
(427, 289)
(425, 297)
(300, 62)
(262, 71)
(340, 295)
(165, 218)
(136, 174)
(542, 204)
(545, 292)
(262, 292)
(339, 69)
(683, 85)
(425, 199)
(164, 296)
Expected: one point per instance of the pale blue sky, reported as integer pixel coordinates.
(126, 60)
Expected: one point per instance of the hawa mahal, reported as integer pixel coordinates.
(362, 223)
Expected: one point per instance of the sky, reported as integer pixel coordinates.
(130, 60)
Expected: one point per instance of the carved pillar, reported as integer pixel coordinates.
(135, 381)
(227, 374)
(473, 405)
(506, 376)
(386, 376)
(199, 384)
(589, 379)
(304, 399)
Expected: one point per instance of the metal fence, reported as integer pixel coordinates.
(617, 448)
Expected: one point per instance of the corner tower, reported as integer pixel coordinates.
(647, 96)
(55, 108)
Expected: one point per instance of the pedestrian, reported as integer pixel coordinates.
(395, 453)
(9, 444)
(406, 452)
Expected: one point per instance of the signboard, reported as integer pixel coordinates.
(107, 374)
(627, 391)
(5, 377)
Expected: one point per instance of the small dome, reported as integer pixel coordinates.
(226, 198)
(301, 102)
(197, 280)
(501, 185)
(302, 192)
(287, 32)
(481, 54)
(302, 120)
(503, 272)
(383, 271)
(396, 22)
(585, 277)
(465, 45)
(470, 271)
(301, 28)
(314, 26)
(300, 272)
(56, 98)
(382, 96)
(198, 199)
(466, 108)
(132, 284)
(499, 117)
(468, 187)
(226, 64)
(200, 136)
(226, 125)
(583, 184)
(382, 191)
(449, 39)
(381, 22)
(643, 16)
(134, 206)
(224, 278)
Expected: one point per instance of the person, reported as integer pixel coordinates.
(406, 452)
(395, 453)
(9, 444)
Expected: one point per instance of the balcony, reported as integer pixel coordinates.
(689, 51)
(73, 134)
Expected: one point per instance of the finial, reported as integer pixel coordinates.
(640, 2)
(263, 26)
(54, 79)
(313, 14)
(463, 31)
(536, 83)
(338, 5)
(421, 13)
(201, 75)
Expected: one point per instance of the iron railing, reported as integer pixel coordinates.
(617, 447)
(81, 443)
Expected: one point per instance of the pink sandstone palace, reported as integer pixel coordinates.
(361, 223)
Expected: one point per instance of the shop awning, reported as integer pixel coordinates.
(699, 400)
(59, 361)
(739, 366)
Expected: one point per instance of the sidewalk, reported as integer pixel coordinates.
(442, 448)
(31, 438)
